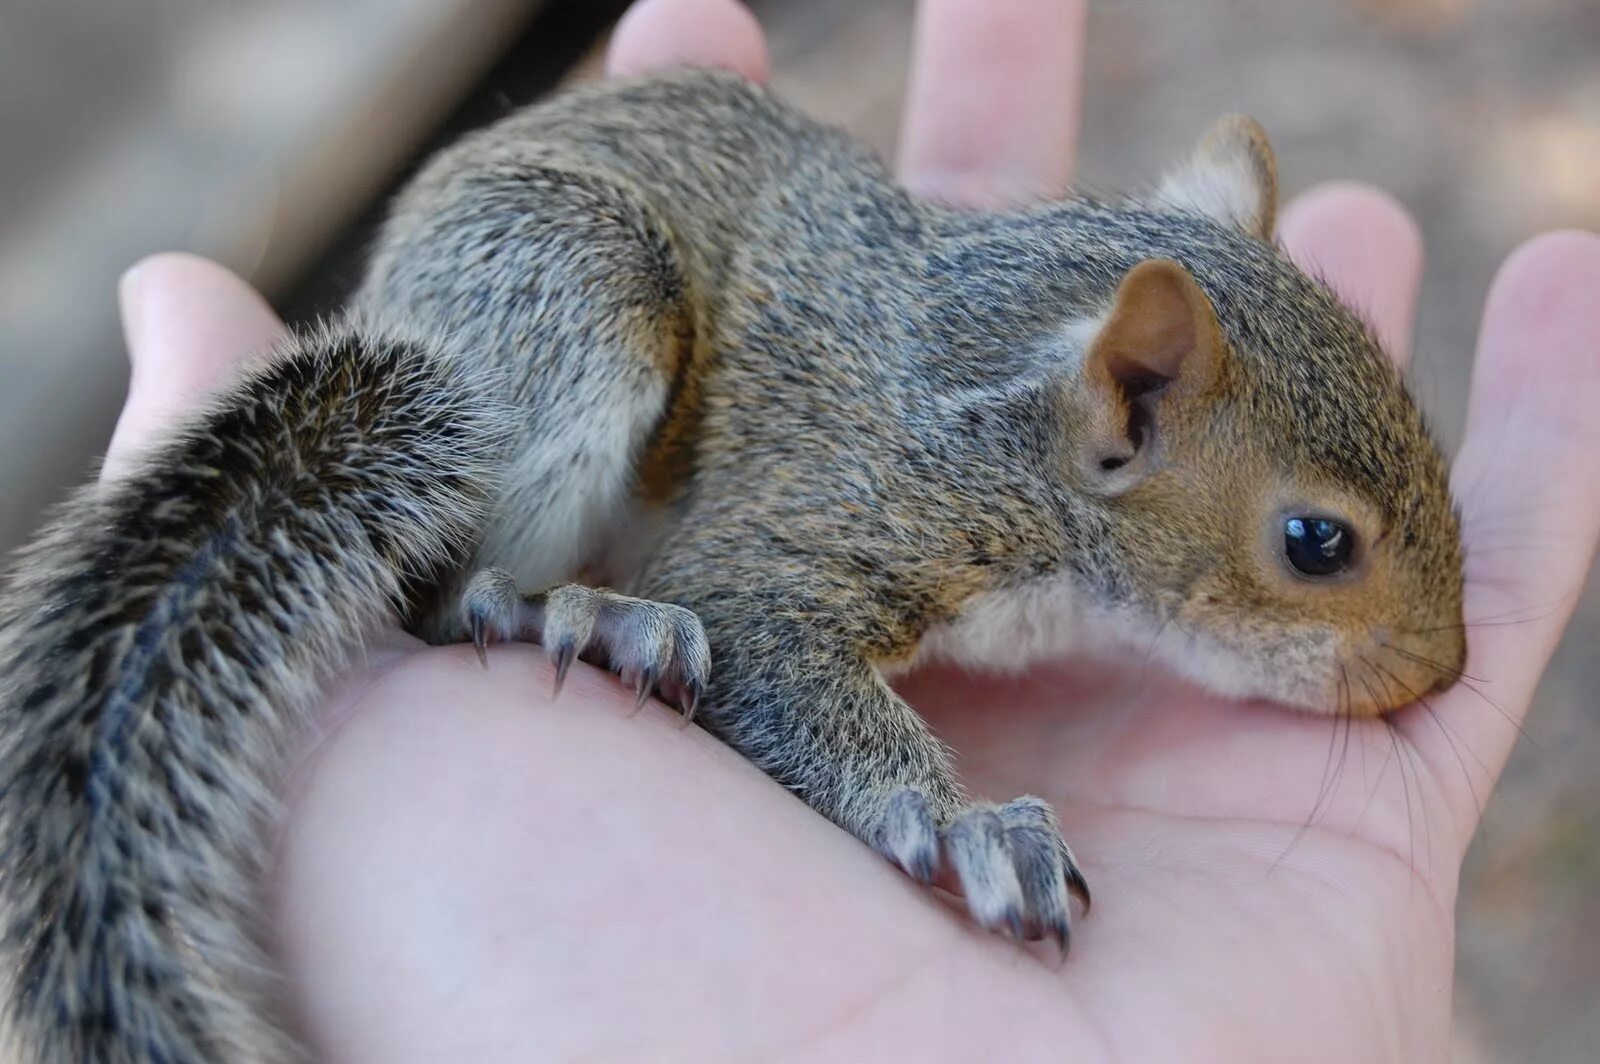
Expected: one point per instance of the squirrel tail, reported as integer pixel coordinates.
(159, 644)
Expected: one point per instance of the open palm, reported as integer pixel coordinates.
(474, 872)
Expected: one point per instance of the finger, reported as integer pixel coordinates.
(1528, 480)
(1364, 246)
(191, 328)
(657, 35)
(992, 108)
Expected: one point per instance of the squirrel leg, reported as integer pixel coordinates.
(832, 730)
(654, 646)
(567, 291)
(1010, 860)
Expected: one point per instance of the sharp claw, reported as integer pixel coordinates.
(1014, 924)
(563, 658)
(1062, 933)
(643, 684)
(1078, 887)
(480, 641)
(691, 699)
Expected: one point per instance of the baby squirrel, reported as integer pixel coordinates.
(676, 335)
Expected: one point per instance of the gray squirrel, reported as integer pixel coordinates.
(677, 337)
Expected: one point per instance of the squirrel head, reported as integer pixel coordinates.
(1269, 486)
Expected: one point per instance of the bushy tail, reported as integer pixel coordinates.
(158, 645)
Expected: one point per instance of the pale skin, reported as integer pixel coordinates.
(473, 872)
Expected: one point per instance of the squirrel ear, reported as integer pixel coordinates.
(1231, 178)
(1161, 338)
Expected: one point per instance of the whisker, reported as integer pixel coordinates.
(1461, 626)
(1497, 620)
(1395, 740)
(1502, 710)
(1467, 683)
(1387, 695)
(1324, 791)
(1444, 730)
(1439, 667)
(1344, 752)
(1411, 755)
(1372, 791)
(1363, 749)
(1405, 788)
(1149, 651)
(1139, 681)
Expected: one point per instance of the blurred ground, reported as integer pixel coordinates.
(1482, 116)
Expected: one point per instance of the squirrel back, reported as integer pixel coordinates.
(939, 409)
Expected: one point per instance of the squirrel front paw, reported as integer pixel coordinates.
(1013, 867)
(653, 646)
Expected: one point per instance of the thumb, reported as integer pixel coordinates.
(192, 328)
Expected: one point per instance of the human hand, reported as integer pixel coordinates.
(474, 872)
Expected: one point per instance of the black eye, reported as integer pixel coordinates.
(1317, 546)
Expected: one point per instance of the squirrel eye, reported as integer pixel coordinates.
(1317, 546)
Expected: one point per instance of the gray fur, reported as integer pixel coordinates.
(852, 418)
(163, 638)
(656, 648)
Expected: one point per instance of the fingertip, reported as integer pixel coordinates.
(1324, 212)
(195, 317)
(1367, 247)
(1560, 242)
(1550, 276)
(1540, 341)
(992, 104)
(191, 327)
(657, 35)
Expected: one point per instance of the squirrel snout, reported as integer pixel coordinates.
(1399, 667)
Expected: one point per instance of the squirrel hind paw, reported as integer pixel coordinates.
(655, 647)
(1009, 861)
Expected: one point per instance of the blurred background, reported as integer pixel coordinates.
(268, 133)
